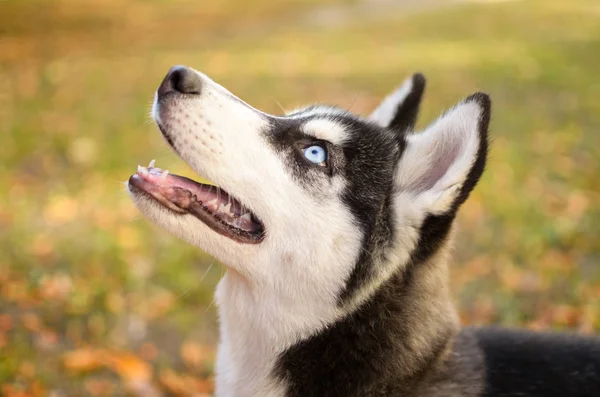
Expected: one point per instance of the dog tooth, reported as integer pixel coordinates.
(142, 170)
(212, 205)
(225, 209)
(151, 165)
(244, 221)
(164, 175)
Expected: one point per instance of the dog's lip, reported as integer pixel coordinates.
(211, 205)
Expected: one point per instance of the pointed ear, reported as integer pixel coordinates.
(440, 166)
(400, 109)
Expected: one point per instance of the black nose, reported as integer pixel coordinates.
(180, 79)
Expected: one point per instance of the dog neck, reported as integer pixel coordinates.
(259, 321)
(400, 332)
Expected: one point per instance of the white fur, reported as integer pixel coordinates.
(385, 112)
(436, 162)
(326, 130)
(274, 294)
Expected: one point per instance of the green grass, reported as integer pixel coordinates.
(80, 267)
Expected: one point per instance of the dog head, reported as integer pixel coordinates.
(319, 205)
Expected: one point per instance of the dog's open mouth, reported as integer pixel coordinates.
(210, 204)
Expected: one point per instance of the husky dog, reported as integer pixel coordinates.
(335, 231)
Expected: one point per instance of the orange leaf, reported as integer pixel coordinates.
(185, 385)
(128, 366)
(194, 354)
(83, 360)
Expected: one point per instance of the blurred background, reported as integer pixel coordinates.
(96, 301)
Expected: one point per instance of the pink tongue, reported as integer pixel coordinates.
(208, 195)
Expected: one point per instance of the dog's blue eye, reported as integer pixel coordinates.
(315, 154)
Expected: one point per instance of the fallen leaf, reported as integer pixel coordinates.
(194, 355)
(6, 322)
(31, 321)
(185, 385)
(128, 366)
(83, 360)
(136, 373)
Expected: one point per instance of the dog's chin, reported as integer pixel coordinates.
(194, 232)
(218, 241)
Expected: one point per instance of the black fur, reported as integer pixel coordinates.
(478, 167)
(372, 352)
(367, 353)
(376, 151)
(521, 363)
(406, 114)
(435, 228)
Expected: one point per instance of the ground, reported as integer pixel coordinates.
(94, 300)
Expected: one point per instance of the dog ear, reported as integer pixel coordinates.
(440, 166)
(400, 109)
